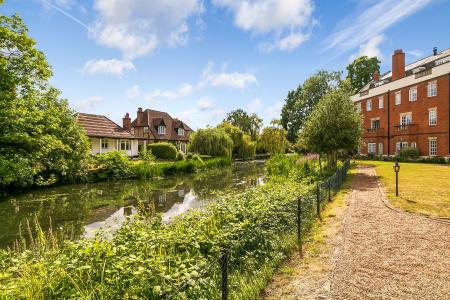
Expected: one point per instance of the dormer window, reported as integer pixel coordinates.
(161, 129)
(180, 131)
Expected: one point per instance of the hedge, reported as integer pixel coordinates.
(163, 150)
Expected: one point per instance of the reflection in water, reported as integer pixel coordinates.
(79, 210)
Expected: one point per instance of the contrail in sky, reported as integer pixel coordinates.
(67, 14)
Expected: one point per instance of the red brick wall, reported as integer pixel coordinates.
(419, 110)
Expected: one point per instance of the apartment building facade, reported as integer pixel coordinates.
(408, 107)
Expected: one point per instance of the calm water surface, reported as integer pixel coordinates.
(78, 210)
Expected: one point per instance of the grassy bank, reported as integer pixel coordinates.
(148, 259)
(423, 188)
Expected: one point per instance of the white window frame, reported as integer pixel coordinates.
(104, 144)
(181, 131)
(406, 119)
(381, 102)
(369, 105)
(413, 145)
(432, 146)
(372, 123)
(432, 89)
(432, 120)
(371, 148)
(413, 94)
(161, 129)
(125, 145)
(145, 129)
(400, 145)
(380, 148)
(398, 98)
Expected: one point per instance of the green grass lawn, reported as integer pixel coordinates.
(423, 188)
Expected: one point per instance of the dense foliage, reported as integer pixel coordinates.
(163, 150)
(149, 259)
(243, 146)
(249, 123)
(334, 125)
(211, 141)
(409, 153)
(360, 72)
(300, 102)
(41, 142)
(273, 140)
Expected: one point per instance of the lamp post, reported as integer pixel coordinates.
(396, 170)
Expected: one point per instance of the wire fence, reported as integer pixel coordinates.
(220, 274)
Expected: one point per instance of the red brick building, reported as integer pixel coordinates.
(408, 107)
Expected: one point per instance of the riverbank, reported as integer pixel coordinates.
(150, 259)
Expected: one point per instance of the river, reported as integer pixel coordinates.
(79, 210)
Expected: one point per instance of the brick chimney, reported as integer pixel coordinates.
(140, 116)
(126, 122)
(376, 76)
(398, 64)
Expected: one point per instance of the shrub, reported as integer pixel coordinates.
(211, 141)
(163, 150)
(408, 153)
(112, 165)
(180, 156)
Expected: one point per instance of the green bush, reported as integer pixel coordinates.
(163, 150)
(408, 153)
(112, 165)
(180, 156)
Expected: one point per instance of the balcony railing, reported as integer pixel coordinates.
(406, 129)
(374, 132)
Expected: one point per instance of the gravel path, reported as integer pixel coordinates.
(385, 254)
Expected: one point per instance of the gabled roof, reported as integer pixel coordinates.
(101, 126)
(154, 118)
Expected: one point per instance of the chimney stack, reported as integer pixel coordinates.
(398, 64)
(126, 122)
(434, 50)
(140, 115)
(376, 75)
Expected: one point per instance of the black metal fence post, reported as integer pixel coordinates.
(224, 267)
(299, 226)
(329, 189)
(318, 201)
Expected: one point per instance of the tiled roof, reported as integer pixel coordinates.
(420, 65)
(101, 126)
(153, 118)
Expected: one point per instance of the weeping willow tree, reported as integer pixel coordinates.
(211, 141)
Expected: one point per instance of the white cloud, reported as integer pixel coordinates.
(372, 22)
(254, 106)
(111, 66)
(137, 27)
(134, 92)
(370, 49)
(416, 53)
(182, 91)
(88, 103)
(234, 79)
(288, 20)
(274, 111)
(204, 104)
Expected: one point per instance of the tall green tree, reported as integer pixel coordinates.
(300, 102)
(249, 124)
(334, 125)
(211, 141)
(360, 72)
(243, 146)
(40, 139)
(273, 139)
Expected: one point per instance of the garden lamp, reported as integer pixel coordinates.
(396, 170)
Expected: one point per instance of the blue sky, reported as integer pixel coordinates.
(199, 59)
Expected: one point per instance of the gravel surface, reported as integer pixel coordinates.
(386, 254)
